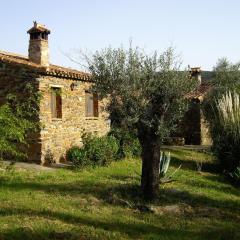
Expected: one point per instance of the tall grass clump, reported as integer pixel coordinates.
(226, 134)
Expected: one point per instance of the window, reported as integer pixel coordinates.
(56, 102)
(91, 101)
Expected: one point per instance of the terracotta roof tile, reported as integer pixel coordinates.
(200, 91)
(52, 70)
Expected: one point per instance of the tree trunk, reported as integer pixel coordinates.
(150, 164)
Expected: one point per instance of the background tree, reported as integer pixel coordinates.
(147, 91)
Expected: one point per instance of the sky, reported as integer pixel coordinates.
(201, 31)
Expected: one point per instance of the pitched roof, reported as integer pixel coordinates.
(51, 70)
(200, 91)
(204, 87)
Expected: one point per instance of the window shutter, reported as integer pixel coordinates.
(95, 104)
(53, 103)
(58, 105)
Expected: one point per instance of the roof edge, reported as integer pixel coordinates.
(51, 70)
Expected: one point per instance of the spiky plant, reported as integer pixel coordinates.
(229, 114)
(164, 163)
(227, 120)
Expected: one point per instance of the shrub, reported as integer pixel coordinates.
(222, 110)
(101, 150)
(13, 131)
(129, 145)
(96, 151)
(226, 134)
(18, 118)
(78, 157)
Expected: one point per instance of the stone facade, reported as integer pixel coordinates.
(205, 132)
(38, 52)
(195, 126)
(56, 135)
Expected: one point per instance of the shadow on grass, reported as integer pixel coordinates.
(104, 191)
(30, 234)
(130, 229)
(126, 178)
(194, 165)
(135, 230)
(192, 159)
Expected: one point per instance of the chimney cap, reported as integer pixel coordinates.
(38, 28)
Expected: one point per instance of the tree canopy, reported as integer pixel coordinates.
(148, 93)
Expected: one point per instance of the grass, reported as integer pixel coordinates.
(67, 204)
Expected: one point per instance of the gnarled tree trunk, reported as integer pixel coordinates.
(150, 163)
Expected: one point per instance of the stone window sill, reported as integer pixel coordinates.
(56, 119)
(91, 118)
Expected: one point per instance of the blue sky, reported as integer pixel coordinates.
(201, 31)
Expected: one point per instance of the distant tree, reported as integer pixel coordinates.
(226, 77)
(147, 92)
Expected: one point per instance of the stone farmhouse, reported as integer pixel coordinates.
(67, 106)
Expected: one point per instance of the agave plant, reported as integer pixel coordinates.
(164, 163)
(235, 176)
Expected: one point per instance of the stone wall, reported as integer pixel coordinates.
(194, 127)
(205, 132)
(58, 135)
(191, 124)
(38, 51)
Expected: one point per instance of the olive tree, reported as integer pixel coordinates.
(148, 93)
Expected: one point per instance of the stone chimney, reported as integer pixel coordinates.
(38, 51)
(196, 73)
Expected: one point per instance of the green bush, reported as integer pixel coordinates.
(18, 118)
(129, 145)
(101, 150)
(78, 157)
(226, 130)
(222, 110)
(12, 133)
(96, 151)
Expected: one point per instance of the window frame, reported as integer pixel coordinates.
(94, 113)
(56, 102)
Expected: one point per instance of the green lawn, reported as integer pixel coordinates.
(90, 204)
